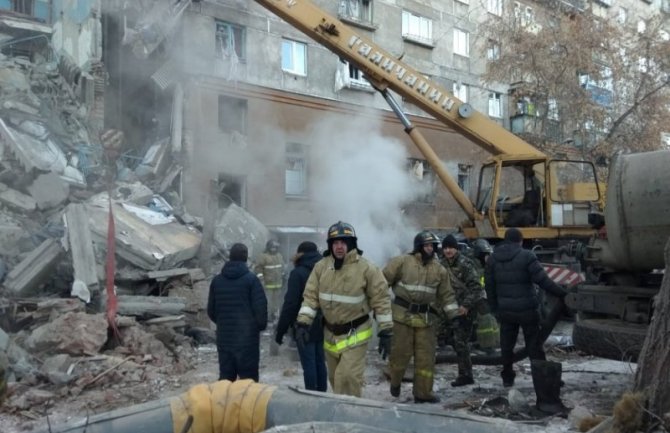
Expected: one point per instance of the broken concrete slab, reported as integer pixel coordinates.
(135, 192)
(72, 333)
(35, 269)
(235, 224)
(49, 190)
(11, 233)
(16, 200)
(150, 306)
(150, 247)
(81, 247)
(168, 273)
(31, 152)
(155, 160)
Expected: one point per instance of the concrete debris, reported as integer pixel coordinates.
(71, 333)
(81, 248)
(49, 191)
(26, 278)
(31, 152)
(16, 200)
(150, 306)
(234, 224)
(11, 233)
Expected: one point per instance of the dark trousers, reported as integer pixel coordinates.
(313, 363)
(239, 362)
(509, 332)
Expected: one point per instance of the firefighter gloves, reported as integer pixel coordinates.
(385, 337)
(301, 334)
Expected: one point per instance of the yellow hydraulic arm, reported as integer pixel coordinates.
(385, 71)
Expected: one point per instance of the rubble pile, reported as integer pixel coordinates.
(59, 179)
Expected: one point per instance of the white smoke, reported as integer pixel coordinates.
(362, 178)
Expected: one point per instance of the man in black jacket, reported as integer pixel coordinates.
(312, 357)
(238, 306)
(510, 278)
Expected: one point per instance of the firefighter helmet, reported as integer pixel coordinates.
(425, 237)
(481, 247)
(341, 230)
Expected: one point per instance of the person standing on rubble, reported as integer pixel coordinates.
(469, 293)
(270, 269)
(510, 277)
(312, 357)
(418, 281)
(345, 287)
(238, 306)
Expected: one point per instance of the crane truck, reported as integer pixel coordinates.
(556, 203)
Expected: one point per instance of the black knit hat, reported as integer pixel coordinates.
(513, 235)
(307, 247)
(450, 242)
(239, 253)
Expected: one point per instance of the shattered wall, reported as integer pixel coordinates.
(78, 30)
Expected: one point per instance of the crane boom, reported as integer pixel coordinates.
(385, 71)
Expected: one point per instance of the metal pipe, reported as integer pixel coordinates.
(248, 407)
(432, 158)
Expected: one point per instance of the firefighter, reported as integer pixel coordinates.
(345, 287)
(418, 281)
(488, 331)
(469, 292)
(270, 269)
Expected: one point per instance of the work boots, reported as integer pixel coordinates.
(462, 381)
(431, 399)
(547, 384)
(395, 390)
(508, 377)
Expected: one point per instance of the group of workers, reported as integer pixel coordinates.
(330, 296)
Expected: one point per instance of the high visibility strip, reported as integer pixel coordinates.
(273, 286)
(272, 266)
(450, 307)
(357, 337)
(382, 318)
(562, 275)
(481, 281)
(424, 373)
(307, 311)
(418, 288)
(342, 298)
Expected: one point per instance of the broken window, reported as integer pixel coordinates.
(464, 171)
(294, 57)
(296, 170)
(423, 174)
(230, 40)
(357, 10)
(232, 114)
(23, 6)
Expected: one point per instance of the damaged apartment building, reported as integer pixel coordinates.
(223, 102)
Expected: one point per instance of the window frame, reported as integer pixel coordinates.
(459, 90)
(459, 43)
(240, 107)
(242, 55)
(363, 10)
(293, 45)
(300, 155)
(406, 27)
(494, 7)
(493, 50)
(495, 97)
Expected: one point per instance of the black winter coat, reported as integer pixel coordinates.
(293, 298)
(510, 277)
(238, 306)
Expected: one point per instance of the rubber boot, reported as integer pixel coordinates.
(508, 376)
(395, 390)
(547, 384)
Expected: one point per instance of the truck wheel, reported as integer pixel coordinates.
(609, 338)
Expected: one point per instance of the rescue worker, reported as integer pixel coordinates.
(270, 269)
(345, 287)
(418, 281)
(510, 278)
(488, 331)
(469, 292)
(238, 307)
(311, 354)
(481, 250)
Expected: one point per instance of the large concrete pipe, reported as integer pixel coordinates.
(637, 214)
(248, 407)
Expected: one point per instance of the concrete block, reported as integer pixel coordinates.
(16, 200)
(49, 191)
(35, 269)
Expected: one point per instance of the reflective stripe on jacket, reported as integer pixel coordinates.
(271, 268)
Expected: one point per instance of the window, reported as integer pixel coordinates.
(23, 6)
(232, 114)
(641, 26)
(622, 16)
(296, 170)
(230, 40)
(464, 171)
(552, 109)
(494, 7)
(294, 57)
(416, 27)
(461, 42)
(493, 50)
(423, 175)
(523, 15)
(357, 10)
(356, 78)
(461, 91)
(495, 105)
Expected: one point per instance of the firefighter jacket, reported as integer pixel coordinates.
(346, 296)
(419, 285)
(270, 269)
(465, 280)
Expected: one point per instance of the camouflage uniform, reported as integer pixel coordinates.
(417, 286)
(466, 283)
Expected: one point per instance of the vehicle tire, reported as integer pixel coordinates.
(609, 338)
